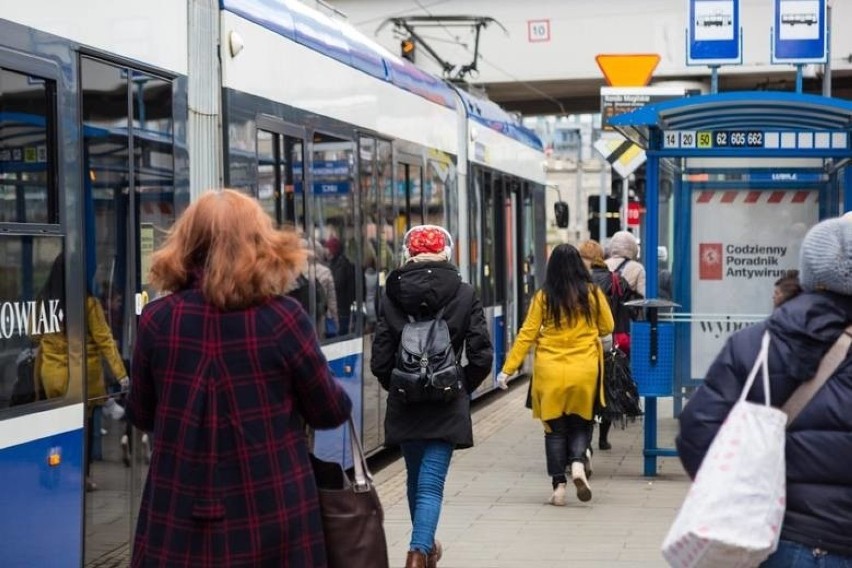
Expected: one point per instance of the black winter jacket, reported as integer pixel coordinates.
(819, 441)
(421, 289)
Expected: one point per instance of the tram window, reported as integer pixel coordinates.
(442, 175)
(333, 216)
(435, 192)
(387, 249)
(27, 149)
(154, 165)
(269, 174)
(488, 241)
(371, 224)
(33, 341)
(475, 231)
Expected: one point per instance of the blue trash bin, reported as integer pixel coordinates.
(654, 378)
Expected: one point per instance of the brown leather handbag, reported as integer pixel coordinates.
(352, 515)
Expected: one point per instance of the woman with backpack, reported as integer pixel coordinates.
(428, 288)
(618, 292)
(565, 322)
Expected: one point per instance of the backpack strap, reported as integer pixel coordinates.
(620, 267)
(615, 290)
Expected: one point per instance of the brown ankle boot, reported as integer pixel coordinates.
(434, 555)
(415, 559)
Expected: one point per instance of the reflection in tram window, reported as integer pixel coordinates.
(435, 191)
(27, 145)
(31, 310)
(386, 244)
(489, 242)
(475, 232)
(130, 201)
(371, 224)
(279, 172)
(333, 214)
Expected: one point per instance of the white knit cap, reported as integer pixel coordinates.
(825, 261)
(624, 244)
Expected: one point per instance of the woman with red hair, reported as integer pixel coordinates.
(226, 371)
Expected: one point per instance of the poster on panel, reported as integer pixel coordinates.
(742, 242)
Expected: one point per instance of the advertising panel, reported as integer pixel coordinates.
(742, 242)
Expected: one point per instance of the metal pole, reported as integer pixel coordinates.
(602, 207)
(826, 77)
(714, 79)
(578, 201)
(800, 72)
(625, 195)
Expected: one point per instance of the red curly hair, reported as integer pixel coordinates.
(228, 237)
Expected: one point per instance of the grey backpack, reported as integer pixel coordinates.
(427, 368)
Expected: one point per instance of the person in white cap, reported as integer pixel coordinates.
(818, 521)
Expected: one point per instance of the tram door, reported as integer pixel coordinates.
(379, 257)
(525, 259)
(129, 203)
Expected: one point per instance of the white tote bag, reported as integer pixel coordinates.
(733, 512)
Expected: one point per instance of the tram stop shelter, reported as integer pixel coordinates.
(734, 180)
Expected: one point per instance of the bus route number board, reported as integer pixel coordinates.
(705, 139)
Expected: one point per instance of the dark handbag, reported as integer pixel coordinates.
(620, 390)
(28, 386)
(352, 514)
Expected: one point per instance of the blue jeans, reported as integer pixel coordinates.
(794, 555)
(427, 463)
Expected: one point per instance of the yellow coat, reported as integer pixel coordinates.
(99, 345)
(568, 360)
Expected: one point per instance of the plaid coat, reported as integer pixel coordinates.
(225, 395)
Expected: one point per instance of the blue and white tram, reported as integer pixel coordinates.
(112, 119)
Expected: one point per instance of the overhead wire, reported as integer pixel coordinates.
(464, 46)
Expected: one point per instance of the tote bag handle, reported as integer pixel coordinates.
(761, 363)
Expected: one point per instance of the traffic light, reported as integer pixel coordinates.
(560, 211)
(407, 49)
(613, 217)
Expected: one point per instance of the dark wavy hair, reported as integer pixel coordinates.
(568, 287)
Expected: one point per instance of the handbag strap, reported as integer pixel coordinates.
(829, 364)
(363, 477)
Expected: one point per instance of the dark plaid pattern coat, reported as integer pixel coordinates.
(225, 395)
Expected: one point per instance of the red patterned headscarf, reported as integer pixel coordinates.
(426, 239)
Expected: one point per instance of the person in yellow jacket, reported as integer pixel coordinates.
(565, 322)
(100, 346)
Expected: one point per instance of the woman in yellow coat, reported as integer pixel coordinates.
(565, 322)
(100, 346)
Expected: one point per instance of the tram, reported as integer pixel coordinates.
(111, 121)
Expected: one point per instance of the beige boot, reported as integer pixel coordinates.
(578, 475)
(415, 559)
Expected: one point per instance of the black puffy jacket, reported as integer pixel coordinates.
(421, 289)
(819, 441)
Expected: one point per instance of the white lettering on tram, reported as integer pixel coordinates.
(30, 318)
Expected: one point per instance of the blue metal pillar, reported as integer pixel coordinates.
(652, 237)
